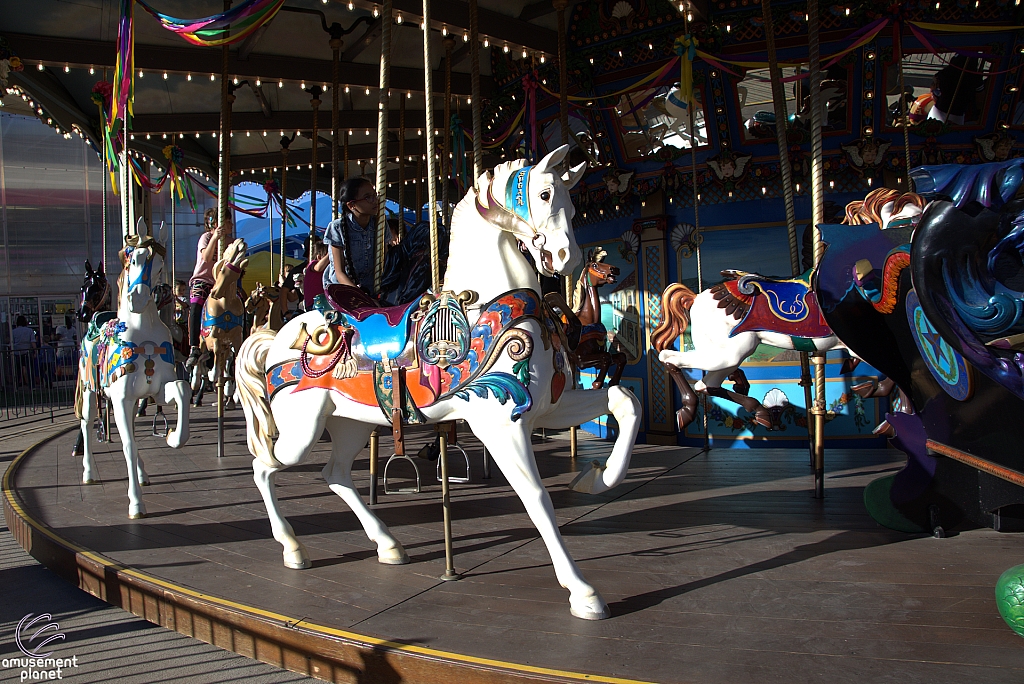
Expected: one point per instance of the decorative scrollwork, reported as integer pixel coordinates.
(518, 344)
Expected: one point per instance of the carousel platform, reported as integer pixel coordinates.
(718, 567)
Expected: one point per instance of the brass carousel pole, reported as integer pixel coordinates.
(563, 122)
(285, 142)
(474, 58)
(223, 209)
(817, 209)
(696, 229)
(336, 45)
(344, 171)
(435, 275)
(905, 106)
(419, 184)
(781, 117)
(401, 166)
(173, 245)
(446, 129)
(383, 104)
(315, 91)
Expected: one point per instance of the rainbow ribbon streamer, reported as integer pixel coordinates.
(119, 121)
(212, 31)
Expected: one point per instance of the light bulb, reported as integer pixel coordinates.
(258, 83)
(165, 75)
(189, 77)
(67, 69)
(487, 43)
(398, 19)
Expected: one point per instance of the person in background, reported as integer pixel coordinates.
(202, 279)
(67, 344)
(23, 341)
(955, 89)
(289, 290)
(313, 278)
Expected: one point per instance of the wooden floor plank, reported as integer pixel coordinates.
(718, 567)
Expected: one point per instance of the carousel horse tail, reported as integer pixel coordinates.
(79, 394)
(676, 301)
(251, 381)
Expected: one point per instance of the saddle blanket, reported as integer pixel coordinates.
(784, 307)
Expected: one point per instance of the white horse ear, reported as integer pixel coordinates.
(574, 175)
(553, 159)
(141, 228)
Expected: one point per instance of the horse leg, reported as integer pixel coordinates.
(295, 440)
(124, 418)
(513, 453)
(619, 359)
(347, 440)
(178, 392)
(577, 407)
(88, 415)
(601, 362)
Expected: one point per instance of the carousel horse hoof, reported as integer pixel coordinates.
(593, 609)
(864, 390)
(90, 481)
(589, 481)
(596, 385)
(393, 556)
(763, 418)
(684, 417)
(136, 512)
(297, 559)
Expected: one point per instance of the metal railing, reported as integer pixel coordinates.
(37, 381)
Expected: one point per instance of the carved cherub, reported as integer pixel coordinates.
(866, 153)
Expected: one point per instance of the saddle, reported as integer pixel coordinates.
(765, 303)
(383, 331)
(383, 334)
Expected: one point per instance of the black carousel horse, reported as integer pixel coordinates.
(939, 309)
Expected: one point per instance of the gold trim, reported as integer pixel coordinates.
(321, 630)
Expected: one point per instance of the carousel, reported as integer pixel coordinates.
(705, 317)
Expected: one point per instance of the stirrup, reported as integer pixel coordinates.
(451, 478)
(159, 414)
(193, 358)
(101, 431)
(401, 490)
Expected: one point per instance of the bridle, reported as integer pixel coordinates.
(516, 220)
(134, 242)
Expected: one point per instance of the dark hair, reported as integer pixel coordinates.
(179, 281)
(21, 322)
(350, 189)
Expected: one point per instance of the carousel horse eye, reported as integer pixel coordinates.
(546, 195)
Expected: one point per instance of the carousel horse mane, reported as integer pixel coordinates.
(869, 210)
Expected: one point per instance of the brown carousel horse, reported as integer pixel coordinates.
(223, 320)
(592, 350)
(265, 307)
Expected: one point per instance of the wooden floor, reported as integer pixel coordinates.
(717, 567)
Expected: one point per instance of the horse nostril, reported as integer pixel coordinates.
(562, 254)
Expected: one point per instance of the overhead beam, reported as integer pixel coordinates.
(361, 44)
(498, 27)
(205, 122)
(200, 60)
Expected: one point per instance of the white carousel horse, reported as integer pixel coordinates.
(484, 258)
(128, 358)
(716, 313)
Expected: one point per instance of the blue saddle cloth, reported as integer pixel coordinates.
(383, 332)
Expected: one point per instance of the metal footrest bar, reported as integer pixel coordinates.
(453, 478)
(401, 490)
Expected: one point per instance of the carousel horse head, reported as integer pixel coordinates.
(533, 203)
(143, 258)
(597, 271)
(229, 269)
(95, 292)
